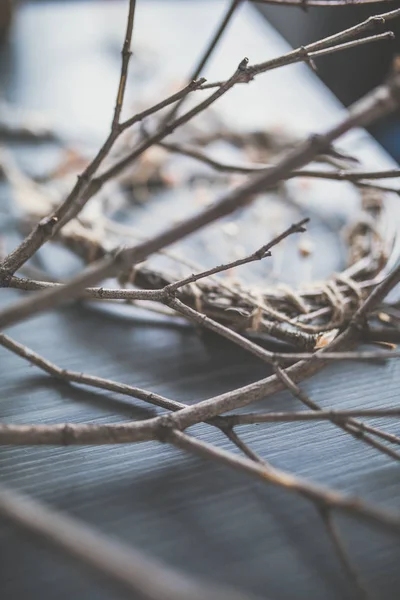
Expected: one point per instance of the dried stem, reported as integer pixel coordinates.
(162, 429)
(333, 533)
(293, 484)
(321, 415)
(86, 186)
(375, 105)
(207, 54)
(259, 254)
(303, 53)
(352, 426)
(342, 175)
(49, 226)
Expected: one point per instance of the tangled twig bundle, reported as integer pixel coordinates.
(317, 323)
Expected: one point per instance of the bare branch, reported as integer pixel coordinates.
(207, 54)
(375, 105)
(291, 483)
(333, 533)
(352, 426)
(259, 254)
(352, 176)
(321, 415)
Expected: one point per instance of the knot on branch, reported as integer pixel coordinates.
(261, 253)
(243, 64)
(47, 225)
(377, 20)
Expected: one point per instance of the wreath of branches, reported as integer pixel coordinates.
(320, 323)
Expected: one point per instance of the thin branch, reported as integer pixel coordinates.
(86, 186)
(352, 426)
(304, 4)
(244, 74)
(48, 226)
(163, 430)
(321, 415)
(126, 56)
(352, 176)
(207, 54)
(380, 102)
(333, 533)
(120, 388)
(262, 252)
(123, 566)
(291, 483)
(84, 379)
(303, 53)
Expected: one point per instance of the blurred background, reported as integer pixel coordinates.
(348, 80)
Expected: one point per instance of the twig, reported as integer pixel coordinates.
(120, 388)
(206, 56)
(302, 53)
(48, 226)
(333, 533)
(163, 430)
(87, 186)
(377, 104)
(352, 176)
(259, 254)
(321, 415)
(245, 73)
(350, 425)
(316, 493)
(123, 566)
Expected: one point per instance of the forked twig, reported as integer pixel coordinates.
(377, 104)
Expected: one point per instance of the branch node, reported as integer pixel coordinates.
(243, 64)
(47, 225)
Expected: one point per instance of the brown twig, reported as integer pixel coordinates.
(321, 415)
(352, 426)
(342, 175)
(290, 483)
(87, 186)
(262, 252)
(333, 533)
(49, 226)
(163, 430)
(380, 102)
(302, 53)
(207, 54)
